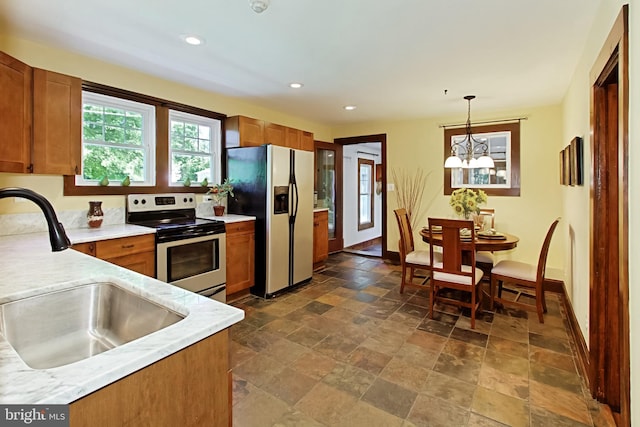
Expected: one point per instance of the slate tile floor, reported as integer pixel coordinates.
(348, 350)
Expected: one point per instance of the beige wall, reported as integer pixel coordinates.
(576, 200)
(46, 57)
(416, 144)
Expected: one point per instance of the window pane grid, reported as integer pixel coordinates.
(118, 139)
(193, 148)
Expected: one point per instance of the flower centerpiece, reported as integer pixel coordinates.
(218, 193)
(466, 201)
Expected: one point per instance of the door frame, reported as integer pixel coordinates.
(382, 140)
(609, 352)
(337, 243)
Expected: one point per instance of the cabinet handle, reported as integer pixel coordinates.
(76, 170)
(127, 246)
(316, 224)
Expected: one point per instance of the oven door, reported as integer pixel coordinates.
(197, 264)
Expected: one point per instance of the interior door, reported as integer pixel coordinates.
(328, 185)
(609, 347)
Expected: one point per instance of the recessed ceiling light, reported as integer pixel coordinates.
(193, 40)
(296, 85)
(350, 107)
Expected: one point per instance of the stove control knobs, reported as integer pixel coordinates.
(144, 202)
(190, 199)
(184, 200)
(135, 201)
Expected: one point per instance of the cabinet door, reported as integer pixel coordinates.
(306, 141)
(16, 108)
(240, 256)
(251, 132)
(241, 131)
(86, 248)
(57, 133)
(274, 134)
(320, 236)
(143, 263)
(293, 138)
(137, 253)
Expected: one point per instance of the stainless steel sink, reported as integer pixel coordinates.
(62, 327)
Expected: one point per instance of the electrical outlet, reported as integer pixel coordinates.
(391, 186)
(206, 198)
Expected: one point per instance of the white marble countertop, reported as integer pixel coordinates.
(229, 218)
(30, 268)
(320, 209)
(84, 235)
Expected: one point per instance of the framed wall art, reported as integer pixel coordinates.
(577, 172)
(567, 165)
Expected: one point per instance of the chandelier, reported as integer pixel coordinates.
(471, 147)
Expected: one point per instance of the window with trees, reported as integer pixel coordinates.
(160, 145)
(118, 140)
(365, 193)
(503, 141)
(194, 147)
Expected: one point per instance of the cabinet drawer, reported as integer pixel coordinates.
(239, 227)
(106, 249)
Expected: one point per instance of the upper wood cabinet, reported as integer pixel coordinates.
(244, 131)
(57, 123)
(274, 134)
(15, 115)
(293, 138)
(306, 141)
(40, 120)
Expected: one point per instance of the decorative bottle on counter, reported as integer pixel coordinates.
(95, 214)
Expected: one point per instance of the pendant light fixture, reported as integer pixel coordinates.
(471, 146)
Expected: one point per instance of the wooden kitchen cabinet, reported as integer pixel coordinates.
(320, 238)
(244, 131)
(274, 134)
(41, 116)
(16, 121)
(241, 241)
(188, 388)
(306, 141)
(292, 139)
(136, 253)
(57, 123)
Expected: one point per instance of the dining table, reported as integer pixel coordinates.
(490, 244)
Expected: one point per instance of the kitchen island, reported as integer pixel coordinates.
(29, 268)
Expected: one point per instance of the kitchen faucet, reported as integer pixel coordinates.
(57, 236)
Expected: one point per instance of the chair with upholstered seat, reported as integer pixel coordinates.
(451, 272)
(410, 259)
(485, 260)
(525, 275)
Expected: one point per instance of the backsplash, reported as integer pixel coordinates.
(35, 222)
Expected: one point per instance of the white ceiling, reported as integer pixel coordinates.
(394, 59)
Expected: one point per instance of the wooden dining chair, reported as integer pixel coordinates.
(451, 272)
(485, 260)
(410, 259)
(525, 275)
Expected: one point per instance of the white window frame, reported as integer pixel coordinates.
(148, 113)
(215, 144)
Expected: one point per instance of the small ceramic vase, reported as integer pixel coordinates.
(95, 214)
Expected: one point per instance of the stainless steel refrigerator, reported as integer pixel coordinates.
(275, 184)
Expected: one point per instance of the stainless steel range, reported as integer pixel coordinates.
(190, 251)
